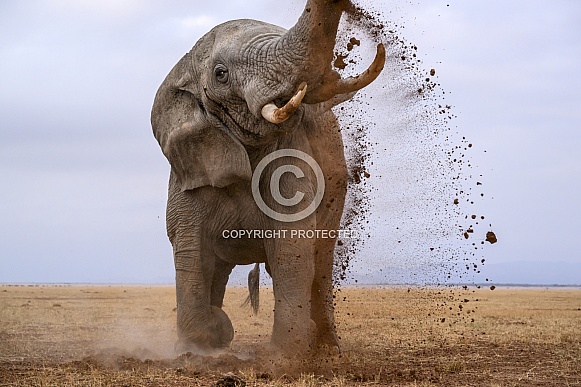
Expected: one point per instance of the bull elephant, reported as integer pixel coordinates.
(246, 90)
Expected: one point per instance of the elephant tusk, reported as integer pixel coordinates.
(346, 86)
(277, 115)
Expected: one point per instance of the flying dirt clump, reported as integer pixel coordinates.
(491, 237)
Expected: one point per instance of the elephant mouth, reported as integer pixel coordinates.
(277, 115)
(232, 123)
(229, 123)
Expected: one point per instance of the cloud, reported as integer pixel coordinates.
(194, 26)
(204, 21)
(84, 182)
(104, 7)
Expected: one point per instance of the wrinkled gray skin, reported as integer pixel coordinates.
(207, 120)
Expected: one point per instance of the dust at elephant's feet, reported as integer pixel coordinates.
(268, 358)
(319, 360)
(182, 347)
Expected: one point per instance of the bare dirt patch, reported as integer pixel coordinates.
(394, 336)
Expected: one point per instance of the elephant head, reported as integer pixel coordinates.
(245, 89)
(243, 83)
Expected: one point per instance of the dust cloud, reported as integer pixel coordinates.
(414, 192)
(128, 337)
(412, 180)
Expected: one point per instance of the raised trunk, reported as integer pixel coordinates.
(309, 48)
(311, 41)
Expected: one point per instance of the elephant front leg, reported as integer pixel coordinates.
(292, 271)
(323, 310)
(200, 325)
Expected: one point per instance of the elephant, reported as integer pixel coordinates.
(247, 90)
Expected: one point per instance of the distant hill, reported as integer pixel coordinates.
(517, 273)
(536, 273)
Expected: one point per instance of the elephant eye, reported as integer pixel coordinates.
(221, 73)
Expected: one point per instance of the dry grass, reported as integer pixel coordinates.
(97, 335)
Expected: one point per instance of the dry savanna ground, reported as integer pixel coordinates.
(124, 335)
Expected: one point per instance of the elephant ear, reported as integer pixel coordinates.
(199, 153)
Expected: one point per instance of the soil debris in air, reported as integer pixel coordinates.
(339, 61)
(353, 42)
(491, 237)
(430, 189)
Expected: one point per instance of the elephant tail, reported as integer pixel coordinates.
(253, 289)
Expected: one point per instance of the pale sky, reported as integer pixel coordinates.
(84, 184)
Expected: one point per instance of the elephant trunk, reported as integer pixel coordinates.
(311, 41)
(312, 38)
(309, 46)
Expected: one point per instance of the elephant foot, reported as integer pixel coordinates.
(328, 351)
(328, 343)
(214, 335)
(294, 340)
(290, 347)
